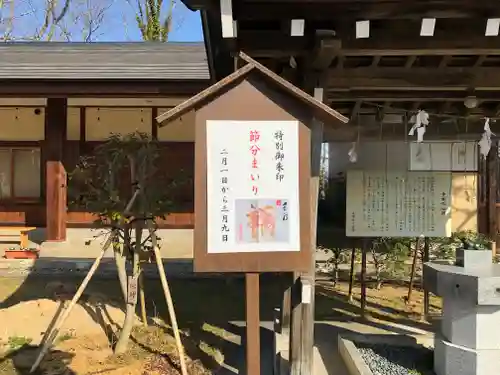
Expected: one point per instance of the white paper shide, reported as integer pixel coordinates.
(252, 186)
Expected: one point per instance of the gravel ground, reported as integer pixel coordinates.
(385, 359)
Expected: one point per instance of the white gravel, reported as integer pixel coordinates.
(384, 359)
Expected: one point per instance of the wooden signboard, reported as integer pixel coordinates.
(254, 214)
(398, 204)
(252, 180)
(252, 172)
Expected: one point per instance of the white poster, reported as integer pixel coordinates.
(398, 204)
(253, 186)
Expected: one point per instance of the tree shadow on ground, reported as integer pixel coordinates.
(332, 305)
(19, 361)
(205, 307)
(210, 310)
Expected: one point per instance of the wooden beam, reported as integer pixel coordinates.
(371, 10)
(375, 61)
(355, 110)
(382, 95)
(371, 129)
(98, 89)
(340, 62)
(266, 43)
(444, 61)
(449, 79)
(480, 60)
(410, 61)
(326, 50)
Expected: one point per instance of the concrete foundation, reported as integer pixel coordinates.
(469, 340)
(452, 359)
(86, 243)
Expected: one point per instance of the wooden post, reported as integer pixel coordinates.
(307, 331)
(364, 250)
(351, 273)
(296, 325)
(252, 296)
(492, 190)
(482, 195)
(425, 259)
(413, 270)
(56, 184)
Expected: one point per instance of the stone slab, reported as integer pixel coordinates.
(451, 359)
(473, 258)
(476, 286)
(470, 326)
(352, 357)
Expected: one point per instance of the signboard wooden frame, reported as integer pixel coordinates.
(229, 107)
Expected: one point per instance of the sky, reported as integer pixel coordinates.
(113, 20)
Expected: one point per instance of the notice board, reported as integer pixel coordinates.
(398, 204)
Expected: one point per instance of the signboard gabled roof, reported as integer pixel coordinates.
(253, 66)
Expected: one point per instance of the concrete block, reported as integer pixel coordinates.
(473, 258)
(470, 326)
(470, 286)
(451, 359)
(489, 289)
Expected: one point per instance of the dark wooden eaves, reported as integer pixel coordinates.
(322, 109)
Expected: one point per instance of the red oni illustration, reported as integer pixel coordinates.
(262, 222)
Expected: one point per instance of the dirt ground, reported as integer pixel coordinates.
(84, 345)
(205, 308)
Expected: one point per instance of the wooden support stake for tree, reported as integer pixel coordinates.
(351, 273)
(413, 270)
(364, 251)
(142, 298)
(59, 322)
(168, 299)
(252, 307)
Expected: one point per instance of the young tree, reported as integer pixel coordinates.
(389, 255)
(121, 182)
(338, 256)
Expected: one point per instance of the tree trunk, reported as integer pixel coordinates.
(120, 261)
(335, 274)
(122, 344)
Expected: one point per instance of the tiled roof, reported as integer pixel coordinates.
(114, 61)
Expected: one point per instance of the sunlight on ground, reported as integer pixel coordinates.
(205, 309)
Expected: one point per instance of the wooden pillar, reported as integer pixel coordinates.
(55, 173)
(252, 292)
(364, 251)
(302, 327)
(492, 162)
